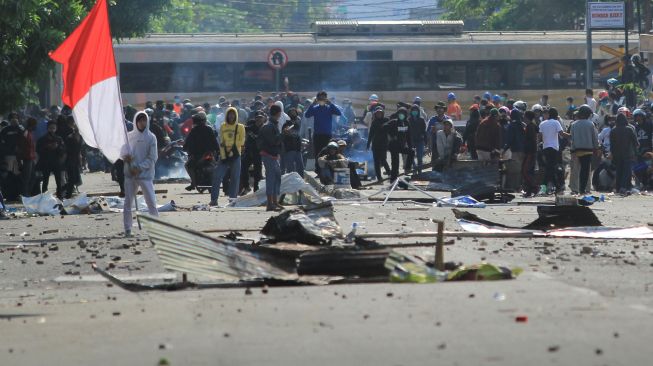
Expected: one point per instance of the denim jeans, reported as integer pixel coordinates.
(272, 176)
(419, 154)
(234, 178)
(293, 162)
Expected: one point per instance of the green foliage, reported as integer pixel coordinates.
(240, 16)
(33, 28)
(185, 16)
(518, 14)
(30, 29)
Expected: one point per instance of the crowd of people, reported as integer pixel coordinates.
(230, 143)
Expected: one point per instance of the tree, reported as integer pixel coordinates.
(32, 28)
(518, 14)
(185, 16)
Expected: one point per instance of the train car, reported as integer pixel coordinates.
(352, 59)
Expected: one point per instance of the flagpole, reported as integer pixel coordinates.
(122, 111)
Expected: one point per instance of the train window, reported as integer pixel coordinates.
(336, 76)
(414, 77)
(375, 76)
(183, 77)
(566, 74)
(216, 77)
(301, 76)
(256, 76)
(145, 77)
(490, 75)
(450, 76)
(529, 75)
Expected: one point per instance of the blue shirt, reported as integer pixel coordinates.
(41, 129)
(322, 117)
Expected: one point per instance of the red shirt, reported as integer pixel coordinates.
(27, 147)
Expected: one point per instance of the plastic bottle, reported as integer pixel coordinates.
(352, 234)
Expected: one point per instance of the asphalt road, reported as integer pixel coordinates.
(579, 308)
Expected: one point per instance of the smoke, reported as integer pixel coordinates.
(171, 168)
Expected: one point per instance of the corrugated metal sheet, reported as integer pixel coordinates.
(187, 251)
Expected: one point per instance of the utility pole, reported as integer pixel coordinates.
(588, 66)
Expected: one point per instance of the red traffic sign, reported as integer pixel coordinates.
(277, 59)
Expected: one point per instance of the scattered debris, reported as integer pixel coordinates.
(315, 225)
(549, 218)
(291, 183)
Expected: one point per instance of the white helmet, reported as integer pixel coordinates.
(537, 107)
(521, 105)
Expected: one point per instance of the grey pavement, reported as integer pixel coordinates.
(579, 309)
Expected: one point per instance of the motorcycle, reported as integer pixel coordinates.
(204, 172)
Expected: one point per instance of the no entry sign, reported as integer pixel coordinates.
(277, 59)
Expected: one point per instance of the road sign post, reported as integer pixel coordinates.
(603, 15)
(277, 59)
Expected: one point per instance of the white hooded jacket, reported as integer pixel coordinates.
(284, 117)
(142, 147)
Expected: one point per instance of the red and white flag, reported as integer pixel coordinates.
(91, 83)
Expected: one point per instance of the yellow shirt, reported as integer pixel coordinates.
(229, 137)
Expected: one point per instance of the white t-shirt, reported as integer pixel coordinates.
(549, 130)
(591, 102)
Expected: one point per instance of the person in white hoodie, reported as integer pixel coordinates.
(140, 155)
(284, 117)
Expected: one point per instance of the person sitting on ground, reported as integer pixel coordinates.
(330, 161)
(200, 141)
(354, 179)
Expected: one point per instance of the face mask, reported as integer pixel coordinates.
(401, 117)
(414, 113)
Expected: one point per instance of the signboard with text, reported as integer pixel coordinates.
(610, 15)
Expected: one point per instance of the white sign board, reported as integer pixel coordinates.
(607, 15)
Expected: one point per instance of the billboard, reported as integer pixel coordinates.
(609, 15)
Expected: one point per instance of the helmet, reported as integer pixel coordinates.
(584, 111)
(537, 107)
(374, 97)
(521, 105)
(451, 96)
(353, 133)
(496, 98)
(613, 82)
(417, 100)
(199, 118)
(625, 111)
(639, 112)
(332, 145)
(505, 110)
(487, 95)
(603, 94)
